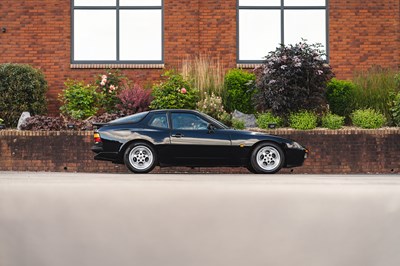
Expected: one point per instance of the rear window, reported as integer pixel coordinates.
(129, 119)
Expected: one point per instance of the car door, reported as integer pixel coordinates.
(193, 144)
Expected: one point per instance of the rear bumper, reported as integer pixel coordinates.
(104, 156)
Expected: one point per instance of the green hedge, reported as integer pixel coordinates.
(239, 91)
(368, 118)
(22, 88)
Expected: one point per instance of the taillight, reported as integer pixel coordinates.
(97, 138)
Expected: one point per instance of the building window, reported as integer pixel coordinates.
(117, 31)
(265, 24)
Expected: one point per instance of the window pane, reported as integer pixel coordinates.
(259, 2)
(140, 3)
(305, 2)
(306, 24)
(188, 122)
(159, 120)
(259, 33)
(140, 35)
(95, 2)
(95, 35)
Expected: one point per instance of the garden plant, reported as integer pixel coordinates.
(174, 93)
(22, 89)
(294, 78)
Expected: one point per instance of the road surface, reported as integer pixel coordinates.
(74, 219)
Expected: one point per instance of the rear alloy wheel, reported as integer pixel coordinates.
(267, 158)
(140, 157)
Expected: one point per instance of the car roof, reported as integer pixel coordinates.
(175, 110)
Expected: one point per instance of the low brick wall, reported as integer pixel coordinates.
(331, 152)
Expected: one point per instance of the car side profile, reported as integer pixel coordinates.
(193, 139)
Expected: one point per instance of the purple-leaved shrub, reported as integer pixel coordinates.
(294, 78)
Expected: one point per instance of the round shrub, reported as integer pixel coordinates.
(304, 120)
(332, 121)
(22, 88)
(79, 100)
(339, 94)
(239, 91)
(268, 118)
(133, 100)
(294, 78)
(368, 118)
(174, 93)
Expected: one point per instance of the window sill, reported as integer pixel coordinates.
(248, 66)
(119, 66)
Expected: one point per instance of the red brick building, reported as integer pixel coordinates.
(77, 39)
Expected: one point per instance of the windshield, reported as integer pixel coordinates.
(130, 119)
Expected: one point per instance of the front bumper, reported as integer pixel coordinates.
(295, 157)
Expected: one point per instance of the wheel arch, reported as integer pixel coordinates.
(123, 147)
(278, 143)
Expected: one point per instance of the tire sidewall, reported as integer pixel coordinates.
(253, 158)
(131, 167)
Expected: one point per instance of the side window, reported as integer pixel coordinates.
(188, 122)
(159, 120)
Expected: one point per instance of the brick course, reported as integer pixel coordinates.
(362, 34)
(331, 152)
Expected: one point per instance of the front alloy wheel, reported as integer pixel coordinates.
(267, 158)
(140, 158)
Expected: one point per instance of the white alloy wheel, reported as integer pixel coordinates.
(140, 158)
(267, 158)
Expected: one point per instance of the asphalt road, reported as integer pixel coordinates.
(57, 219)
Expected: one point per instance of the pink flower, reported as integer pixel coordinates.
(104, 77)
(102, 83)
(183, 90)
(112, 88)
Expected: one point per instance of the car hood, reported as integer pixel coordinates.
(256, 136)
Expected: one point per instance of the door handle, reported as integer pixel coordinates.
(178, 135)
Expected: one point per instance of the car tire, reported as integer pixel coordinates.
(251, 169)
(140, 157)
(267, 158)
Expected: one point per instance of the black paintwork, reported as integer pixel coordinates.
(216, 145)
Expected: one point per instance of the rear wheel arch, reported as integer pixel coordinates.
(126, 145)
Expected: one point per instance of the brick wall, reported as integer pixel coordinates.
(332, 152)
(362, 34)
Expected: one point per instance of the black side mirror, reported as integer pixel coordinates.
(211, 128)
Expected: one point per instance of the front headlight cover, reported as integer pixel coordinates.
(294, 145)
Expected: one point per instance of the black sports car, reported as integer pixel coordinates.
(190, 138)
